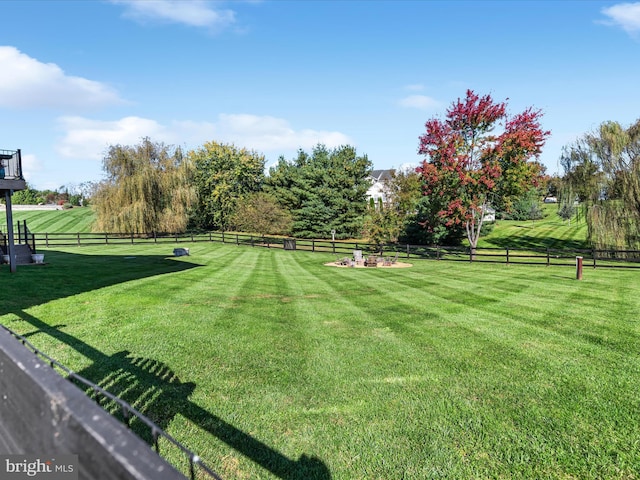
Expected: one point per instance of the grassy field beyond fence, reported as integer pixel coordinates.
(271, 365)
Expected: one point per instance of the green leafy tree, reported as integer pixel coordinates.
(566, 211)
(392, 219)
(28, 196)
(382, 224)
(223, 174)
(527, 207)
(147, 190)
(324, 191)
(260, 213)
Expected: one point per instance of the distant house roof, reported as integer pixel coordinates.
(380, 175)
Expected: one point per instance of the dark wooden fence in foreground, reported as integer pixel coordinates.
(530, 256)
(43, 413)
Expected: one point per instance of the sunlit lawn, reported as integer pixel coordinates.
(548, 232)
(271, 365)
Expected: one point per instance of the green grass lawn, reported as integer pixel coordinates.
(271, 365)
(549, 232)
(74, 220)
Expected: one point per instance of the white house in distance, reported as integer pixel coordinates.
(376, 190)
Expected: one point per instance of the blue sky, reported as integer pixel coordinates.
(276, 76)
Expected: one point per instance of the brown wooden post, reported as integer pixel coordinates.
(578, 268)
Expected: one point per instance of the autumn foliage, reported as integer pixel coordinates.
(478, 155)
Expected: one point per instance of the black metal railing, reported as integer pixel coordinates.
(11, 165)
(25, 236)
(127, 411)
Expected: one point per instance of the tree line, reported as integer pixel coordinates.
(478, 158)
(152, 187)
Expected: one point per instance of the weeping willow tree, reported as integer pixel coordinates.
(618, 220)
(603, 168)
(147, 189)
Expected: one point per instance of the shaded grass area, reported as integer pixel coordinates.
(270, 365)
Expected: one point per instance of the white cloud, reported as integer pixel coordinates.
(265, 133)
(28, 83)
(88, 139)
(624, 15)
(30, 165)
(421, 102)
(194, 13)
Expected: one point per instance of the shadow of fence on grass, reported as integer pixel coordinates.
(153, 389)
(149, 386)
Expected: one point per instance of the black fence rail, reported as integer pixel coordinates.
(508, 255)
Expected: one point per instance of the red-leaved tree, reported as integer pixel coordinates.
(478, 153)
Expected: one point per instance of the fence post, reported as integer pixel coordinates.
(407, 250)
(237, 240)
(507, 255)
(78, 238)
(155, 237)
(333, 247)
(437, 252)
(595, 254)
(548, 256)
(46, 239)
(578, 268)
(313, 245)
(176, 237)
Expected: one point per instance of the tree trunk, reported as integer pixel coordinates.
(473, 228)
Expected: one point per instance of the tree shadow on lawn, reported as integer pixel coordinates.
(149, 386)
